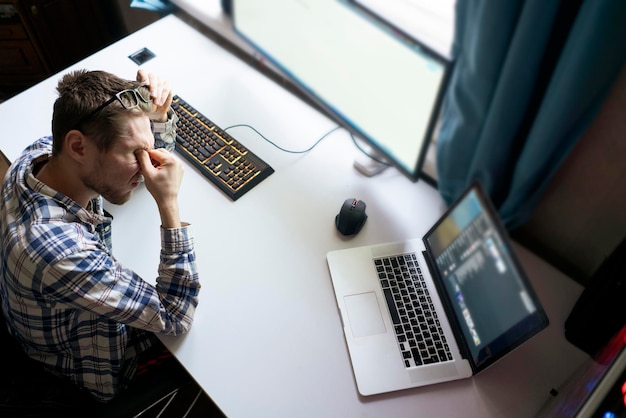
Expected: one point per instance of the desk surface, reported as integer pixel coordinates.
(267, 337)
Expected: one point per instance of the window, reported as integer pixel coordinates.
(430, 22)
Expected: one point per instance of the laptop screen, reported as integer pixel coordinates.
(481, 281)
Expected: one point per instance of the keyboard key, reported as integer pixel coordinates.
(412, 312)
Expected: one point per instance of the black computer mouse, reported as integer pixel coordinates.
(351, 217)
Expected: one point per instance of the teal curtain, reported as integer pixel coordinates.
(528, 78)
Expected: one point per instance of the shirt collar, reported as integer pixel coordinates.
(92, 215)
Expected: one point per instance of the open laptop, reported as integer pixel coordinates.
(471, 280)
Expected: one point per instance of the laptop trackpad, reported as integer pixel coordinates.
(364, 314)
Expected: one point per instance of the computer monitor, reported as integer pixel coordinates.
(378, 83)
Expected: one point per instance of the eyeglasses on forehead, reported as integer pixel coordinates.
(128, 98)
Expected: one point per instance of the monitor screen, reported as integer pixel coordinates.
(380, 85)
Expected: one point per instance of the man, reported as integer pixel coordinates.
(66, 299)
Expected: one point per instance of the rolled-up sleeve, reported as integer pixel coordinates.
(165, 132)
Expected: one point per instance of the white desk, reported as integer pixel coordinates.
(267, 338)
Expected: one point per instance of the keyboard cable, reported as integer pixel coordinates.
(316, 143)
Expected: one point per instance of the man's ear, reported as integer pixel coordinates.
(76, 145)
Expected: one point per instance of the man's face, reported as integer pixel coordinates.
(116, 173)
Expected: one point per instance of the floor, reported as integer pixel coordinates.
(133, 19)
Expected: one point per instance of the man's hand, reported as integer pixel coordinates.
(160, 92)
(163, 174)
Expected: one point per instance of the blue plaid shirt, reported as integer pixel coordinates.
(66, 298)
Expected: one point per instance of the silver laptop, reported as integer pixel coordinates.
(442, 308)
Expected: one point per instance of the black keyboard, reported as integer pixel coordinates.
(233, 168)
(420, 337)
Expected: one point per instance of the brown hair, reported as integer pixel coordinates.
(80, 93)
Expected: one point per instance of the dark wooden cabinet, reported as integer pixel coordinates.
(41, 37)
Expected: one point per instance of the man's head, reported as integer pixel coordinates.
(100, 122)
(79, 106)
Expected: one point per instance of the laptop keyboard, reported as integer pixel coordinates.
(418, 330)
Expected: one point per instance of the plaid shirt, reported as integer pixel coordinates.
(66, 298)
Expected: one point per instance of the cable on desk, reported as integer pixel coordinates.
(278, 146)
(356, 144)
(243, 125)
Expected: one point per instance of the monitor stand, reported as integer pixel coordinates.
(370, 162)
